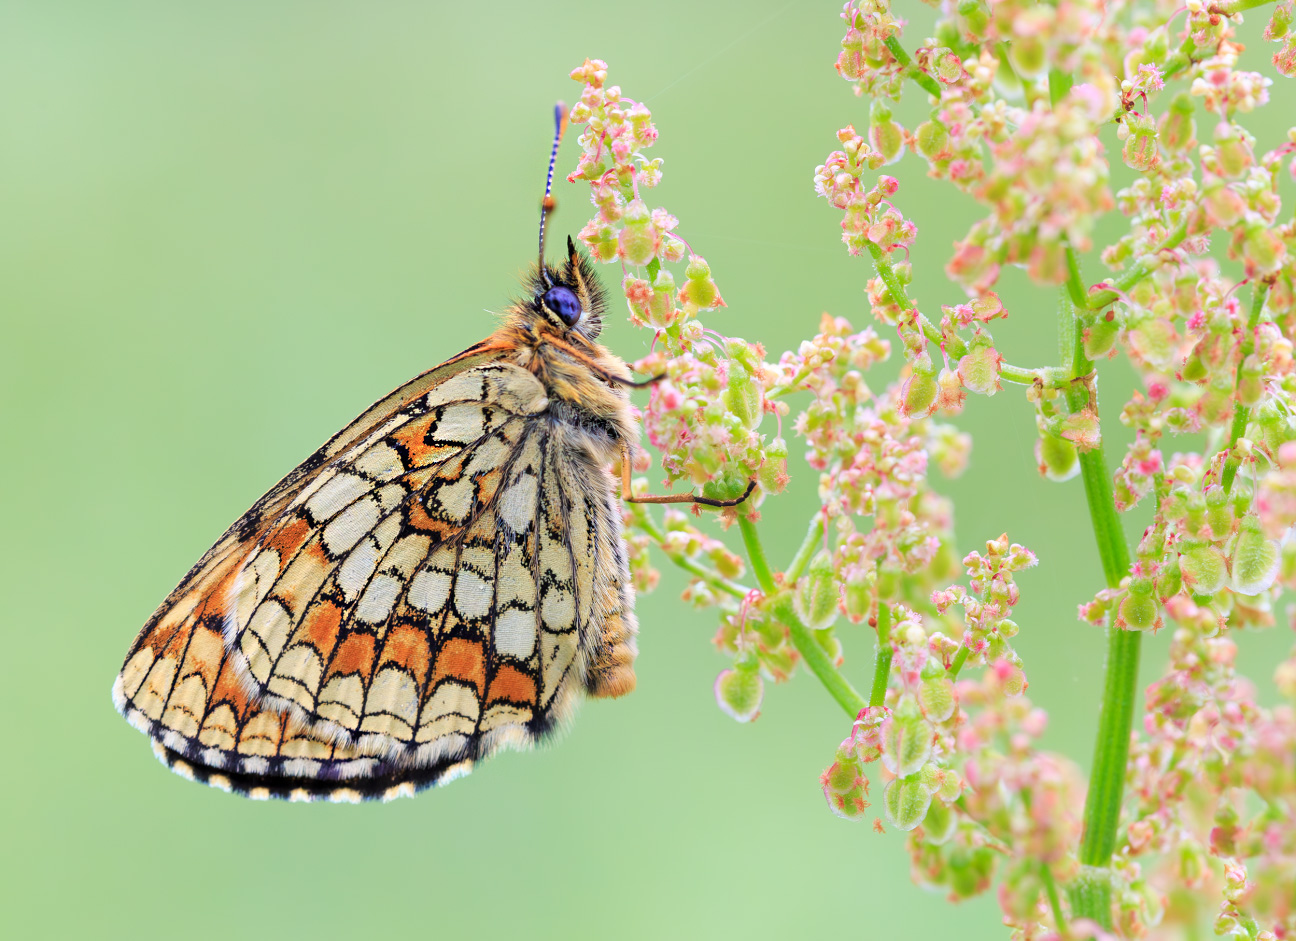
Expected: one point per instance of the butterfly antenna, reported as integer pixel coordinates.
(547, 206)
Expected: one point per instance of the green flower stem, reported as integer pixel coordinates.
(816, 659)
(927, 83)
(954, 345)
(960, 658)
(1075, 285)
(756, 553)
(1242, 413)
(819, 663)
(1059, 84)
(805, 552)
(882, 665)
(711, 577)
(1055, 902)
(1125, 281)
(1091, 895)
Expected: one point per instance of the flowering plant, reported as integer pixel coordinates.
(1189, 812)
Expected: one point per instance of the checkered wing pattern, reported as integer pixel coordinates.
(434, 588)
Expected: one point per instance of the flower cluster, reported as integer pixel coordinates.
(1199, 297)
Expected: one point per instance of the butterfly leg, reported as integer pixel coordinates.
(627, 494)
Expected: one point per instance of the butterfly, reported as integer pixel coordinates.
(445, 578)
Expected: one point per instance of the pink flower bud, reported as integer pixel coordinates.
(952, 394)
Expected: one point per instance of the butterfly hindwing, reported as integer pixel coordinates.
(420, 597)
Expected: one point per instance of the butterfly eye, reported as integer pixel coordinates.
(562, 301)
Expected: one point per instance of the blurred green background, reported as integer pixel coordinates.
(226, 228)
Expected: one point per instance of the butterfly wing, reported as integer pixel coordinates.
(420, 598)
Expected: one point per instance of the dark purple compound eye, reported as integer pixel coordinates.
(562, 301)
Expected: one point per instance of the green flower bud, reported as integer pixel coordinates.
(1100, 336)
(1057, 457)
(637, 243)
(857, 599)
(773, 475)
(661, 307)
(1194, 370)
(976, 16)
(1254, 559)
(1251, 380)
(1138, 609)
(729, 486)
(1029, 56)
(1231, 151)
(815, 599)
(739, 692)
(920, 389)
(603, 245)
(1203, 569)
(1169, 582)
(939, 824)
(700, 289)
(743, 397)
(970, 871)
(1178, 131)
(931, 138)
(906, 801)
(1280, 23)
(1219, 512)
(885, 135)
(1141, 151)
(906, 739)
(979, 367)
(946, 66)
(936, 697)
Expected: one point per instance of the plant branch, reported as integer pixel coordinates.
(816, 659)
(1091, 897)
(952, 344)
(1242, 413)
(713, 578)
(1125, 281)
(882, 664)
(805, 552)
(925, 81)
(756, 553)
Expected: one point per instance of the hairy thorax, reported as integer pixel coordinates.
(569, 368)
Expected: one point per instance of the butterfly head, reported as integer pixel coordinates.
(569, 298)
